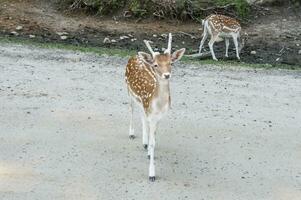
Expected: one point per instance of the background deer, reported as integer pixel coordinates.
(220, 27)
(147, 78)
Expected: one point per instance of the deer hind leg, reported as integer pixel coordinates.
(235, 36)
(211, 43)
(145, 131)
(205, 36)
(131, 131)
(227, 46)
(151, 149)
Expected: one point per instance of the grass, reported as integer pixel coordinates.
(127, 53)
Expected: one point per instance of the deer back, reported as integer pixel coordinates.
(222, 23)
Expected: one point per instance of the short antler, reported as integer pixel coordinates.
(168, 50)
(147, 43)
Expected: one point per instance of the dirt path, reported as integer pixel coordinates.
(231, 133)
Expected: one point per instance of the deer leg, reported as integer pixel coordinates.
(131, 131)
(203, 41)
(227, 46)
(236, 45)
(211, 43)
(151, 149)
(145, 131)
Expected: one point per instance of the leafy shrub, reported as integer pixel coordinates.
(179, 9)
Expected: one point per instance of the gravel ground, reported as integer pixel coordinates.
(232, 133)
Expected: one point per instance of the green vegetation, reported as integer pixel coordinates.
(127, 53)
(179, 9)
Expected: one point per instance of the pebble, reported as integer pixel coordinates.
(64, 37)
(123, 37)
(61, 33)
(155, 35)
(253, 52)
(14, 33)
(113, 41)
(133, 39)
(164, 35)
(106, 40)
(32, 36)
(299, 52)
(18, 28)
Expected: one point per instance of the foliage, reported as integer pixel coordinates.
(179, 9)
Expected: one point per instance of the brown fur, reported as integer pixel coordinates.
(220, 23)
(141, 81)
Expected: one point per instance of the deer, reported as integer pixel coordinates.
(147, 78)
(220, 27)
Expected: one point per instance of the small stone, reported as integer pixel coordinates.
(299, 52)
(183, 42)
(18, 28)
(284, 20)
(106, 40)
(32, 36)
(123, 37)
(253, 52)
(277, 59)
(14, 33)
(61, 33)
(297, 44)
(113, 41)
(164, 35)
(133, 39)
(155, 35)
(64, 37)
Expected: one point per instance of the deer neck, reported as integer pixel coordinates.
(163, 87)
(162, 95)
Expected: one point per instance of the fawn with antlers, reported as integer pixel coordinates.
(221, 27)
(147, 77)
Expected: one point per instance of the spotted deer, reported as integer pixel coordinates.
(220, 27)
(147, 78)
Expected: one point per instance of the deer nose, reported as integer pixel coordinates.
(167, 75)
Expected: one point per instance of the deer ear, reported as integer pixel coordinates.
(177, 55)
(147, 58)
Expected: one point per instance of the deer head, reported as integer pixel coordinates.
(161, 63)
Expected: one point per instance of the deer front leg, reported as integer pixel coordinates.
(227, 46)
(131, 131)
(151, 150)
(234, 36)
(211, 43)
(145, 131)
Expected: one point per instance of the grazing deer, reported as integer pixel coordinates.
(147, 77)
(220, 27)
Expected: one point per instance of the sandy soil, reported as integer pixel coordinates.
(231, 134)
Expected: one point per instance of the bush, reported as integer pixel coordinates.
(179, 9)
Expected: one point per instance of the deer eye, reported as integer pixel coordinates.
(155, 65)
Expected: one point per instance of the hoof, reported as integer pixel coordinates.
(132, 137)
(152, 178)
(145, 146)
